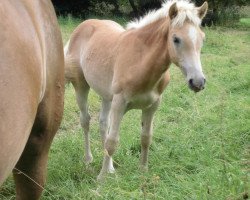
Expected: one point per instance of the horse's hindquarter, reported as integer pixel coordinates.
(98, 52)
(22, 75)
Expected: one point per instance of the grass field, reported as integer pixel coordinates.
(201, 143)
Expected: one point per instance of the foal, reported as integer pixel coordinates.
(129, 68)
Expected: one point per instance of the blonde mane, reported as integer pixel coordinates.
(186, 11)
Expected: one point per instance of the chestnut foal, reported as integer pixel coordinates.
(129, 68)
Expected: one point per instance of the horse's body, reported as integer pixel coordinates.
(31, 91)
(141, 85)
(129, 69)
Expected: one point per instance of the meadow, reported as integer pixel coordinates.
(201, 142)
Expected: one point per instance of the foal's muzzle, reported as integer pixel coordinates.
(197, 84)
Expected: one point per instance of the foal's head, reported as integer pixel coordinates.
(185, 39)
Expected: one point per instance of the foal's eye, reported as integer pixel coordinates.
(177, 40)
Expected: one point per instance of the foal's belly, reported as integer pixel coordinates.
(99, 79)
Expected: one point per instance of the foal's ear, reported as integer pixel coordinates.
(173, 11)
(202, 11)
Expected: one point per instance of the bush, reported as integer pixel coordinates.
(220, 11)
(85, 7)
(101, 7)
(75, 7)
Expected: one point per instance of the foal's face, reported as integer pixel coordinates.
(185, 45)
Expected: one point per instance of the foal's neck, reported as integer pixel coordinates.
(155, 37)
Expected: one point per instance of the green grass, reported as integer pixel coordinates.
(245, 22)
(201, 142)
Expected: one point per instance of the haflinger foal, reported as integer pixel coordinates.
(129, 68)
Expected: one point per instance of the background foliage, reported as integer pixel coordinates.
(220, 11)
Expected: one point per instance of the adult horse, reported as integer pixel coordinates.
(31, 91)
(129, 68)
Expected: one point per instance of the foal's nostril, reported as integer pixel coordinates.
(191, 82)
(203, 85)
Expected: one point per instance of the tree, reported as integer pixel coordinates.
(74, 7)
(222, 10)
(142, 6)
(219, 10)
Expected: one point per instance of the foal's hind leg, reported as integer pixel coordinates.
(82, 91)
(30, 171)
(146, 134)
(104, 126)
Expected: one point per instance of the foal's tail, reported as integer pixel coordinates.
(72, 69)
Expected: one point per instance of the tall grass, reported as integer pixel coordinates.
(200, 147)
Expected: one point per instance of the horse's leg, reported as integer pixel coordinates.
(30, 171)
(146, 134)
(104, 125)
(104, 120)
(118, 107)
(82, 91)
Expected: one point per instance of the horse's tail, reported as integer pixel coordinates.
(72, 69)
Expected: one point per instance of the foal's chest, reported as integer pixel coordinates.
(143, 100)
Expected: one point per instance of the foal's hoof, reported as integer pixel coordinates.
(144, 168)
(111, 168)
(88, 159)
(101, 177)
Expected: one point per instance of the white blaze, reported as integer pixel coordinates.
(191, 63)
(192, 33)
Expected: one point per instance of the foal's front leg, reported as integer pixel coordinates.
(118, 107)
(146, 134)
